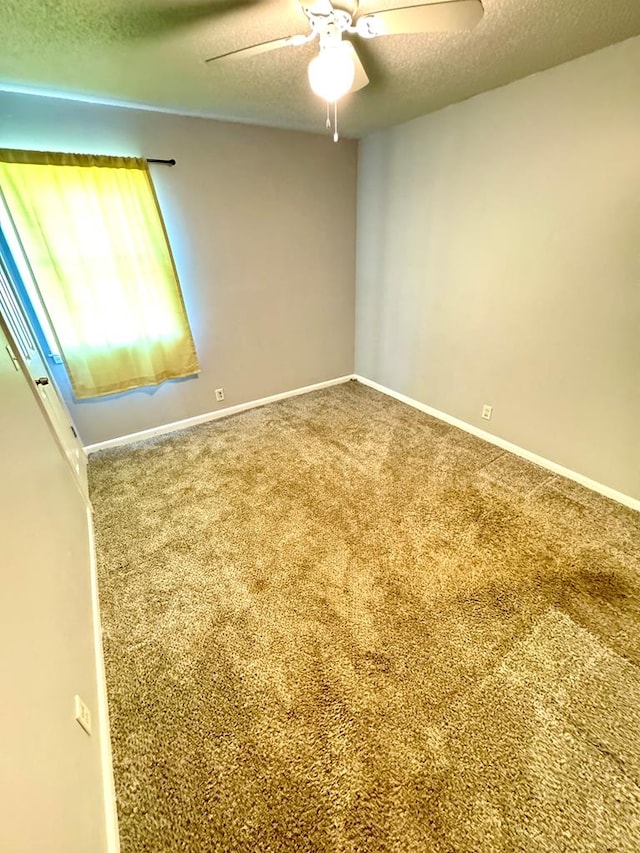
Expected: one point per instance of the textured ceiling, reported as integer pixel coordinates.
(151, 52)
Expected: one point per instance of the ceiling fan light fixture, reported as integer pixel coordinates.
(332, 72)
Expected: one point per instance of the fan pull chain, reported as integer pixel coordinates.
(335, 119)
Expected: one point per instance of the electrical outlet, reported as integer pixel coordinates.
(219, 394)
(486, 412)
(82, 714)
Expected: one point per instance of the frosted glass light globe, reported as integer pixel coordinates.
(331, 73)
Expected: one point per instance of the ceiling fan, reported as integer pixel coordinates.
(337, 68)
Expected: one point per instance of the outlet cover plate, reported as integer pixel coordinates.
(82, 713)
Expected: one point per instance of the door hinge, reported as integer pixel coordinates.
(15, 361)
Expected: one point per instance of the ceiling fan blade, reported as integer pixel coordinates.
(262, 47)
(360, 80)
(433, 18)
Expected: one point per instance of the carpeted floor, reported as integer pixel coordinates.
(337, 624)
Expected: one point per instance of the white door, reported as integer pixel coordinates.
(26, 355)
(51, 772)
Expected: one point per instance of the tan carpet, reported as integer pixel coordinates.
(337, 624)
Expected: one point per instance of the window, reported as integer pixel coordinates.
(97, 254)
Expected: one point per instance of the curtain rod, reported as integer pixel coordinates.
(171, 162)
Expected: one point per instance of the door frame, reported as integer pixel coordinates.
(19, 363)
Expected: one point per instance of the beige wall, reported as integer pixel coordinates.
(262, 225)
(51, 784)
(499, 262)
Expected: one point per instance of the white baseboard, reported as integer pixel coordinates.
(554, 467)
(607, 491)
(104, 732)
(211, 416)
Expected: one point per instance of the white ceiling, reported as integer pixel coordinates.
(151, 52)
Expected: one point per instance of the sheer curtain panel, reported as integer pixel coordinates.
(93, 235)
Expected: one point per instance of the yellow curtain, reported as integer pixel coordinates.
(94, 237)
